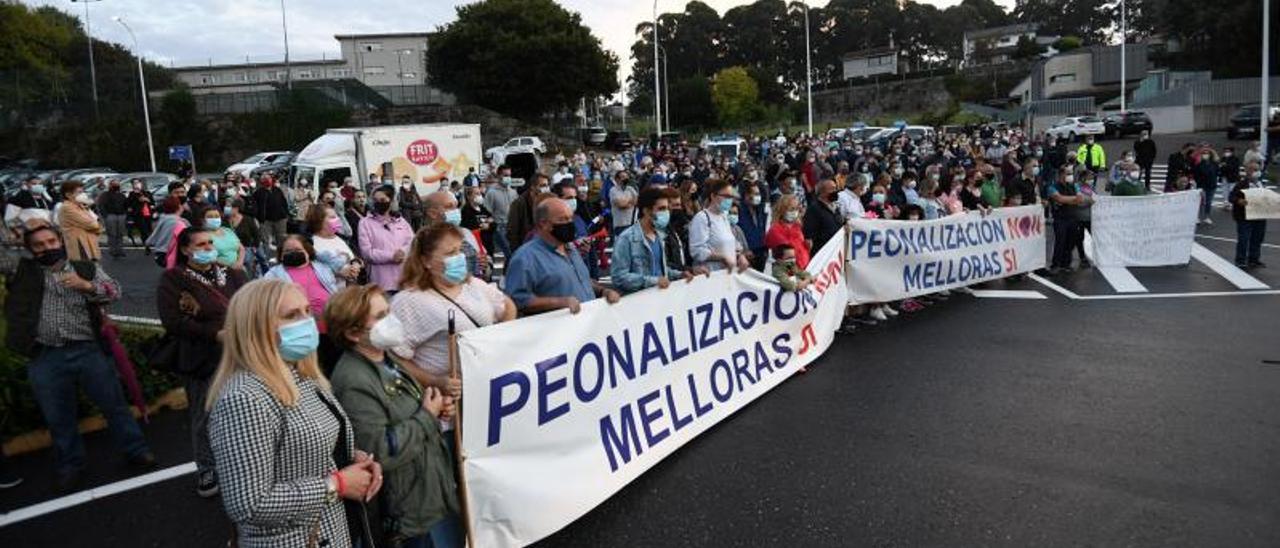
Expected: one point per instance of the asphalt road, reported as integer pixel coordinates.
(1133, 421)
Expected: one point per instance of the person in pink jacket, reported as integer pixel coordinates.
(385, 239)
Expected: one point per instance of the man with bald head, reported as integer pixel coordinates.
(546, 273)
(442, 207)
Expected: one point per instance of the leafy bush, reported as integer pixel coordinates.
(18, 410)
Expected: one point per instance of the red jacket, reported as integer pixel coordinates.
(792, 235)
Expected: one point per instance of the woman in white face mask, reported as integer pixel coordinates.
(395, 418)
(80, 225)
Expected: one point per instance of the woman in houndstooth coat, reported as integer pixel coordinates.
(282, 445)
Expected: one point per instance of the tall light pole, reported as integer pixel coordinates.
(1264, 110)
(666, 90)
(1123, 39)
(142, 81)
(284, 26)
(93, 69)
(624, 104)
(657, 98)
(808, 68)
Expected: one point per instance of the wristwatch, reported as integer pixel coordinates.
(330, 490)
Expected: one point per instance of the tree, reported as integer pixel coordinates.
(736, 97)
(1027, 48)
(1067, 43)
(691, 102)
(525, 58)
(1091, 20)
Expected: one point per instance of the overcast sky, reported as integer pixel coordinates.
(186, 32)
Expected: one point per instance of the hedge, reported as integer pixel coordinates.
(19, 412)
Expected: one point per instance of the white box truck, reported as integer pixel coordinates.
(430, 154)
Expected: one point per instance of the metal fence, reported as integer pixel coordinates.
(236, 103)
(1236, 91)
(415, 95)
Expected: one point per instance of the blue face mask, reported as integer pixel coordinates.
(1035, 171)
(725, 205)
(455, 268)
(226, 211)
(37, 189)
(572, 203)
(213, 224)
(661, 219)
(298, 339)
(204, 256)
(733, 218)
(453, 217)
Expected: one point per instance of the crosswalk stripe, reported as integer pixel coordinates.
(1225, 268)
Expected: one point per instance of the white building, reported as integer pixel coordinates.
(995, 45)
(871, 62)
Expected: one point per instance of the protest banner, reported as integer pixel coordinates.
(1152, 230)
(892, 260)
(560, 411)
(1263, 203)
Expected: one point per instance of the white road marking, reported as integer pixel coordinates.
(1008, 294)
(1225, 268)
(1179, 295)
(1121, 279)
(75, 499)
(1232, 240)
(1055, 287)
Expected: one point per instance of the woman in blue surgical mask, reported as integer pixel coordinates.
(280, 439)
(192, 301)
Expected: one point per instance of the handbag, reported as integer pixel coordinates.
(164, 355)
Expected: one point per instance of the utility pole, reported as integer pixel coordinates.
(657, 96)
(666, 91)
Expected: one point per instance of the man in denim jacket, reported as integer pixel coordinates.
(639, 260)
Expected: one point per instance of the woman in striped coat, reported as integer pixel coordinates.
(282, 445)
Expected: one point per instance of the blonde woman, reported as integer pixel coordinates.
(282, 445)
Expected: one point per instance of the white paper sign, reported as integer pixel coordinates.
(1264, 203)
(892, 260)
(561, 411)
(1152, 230)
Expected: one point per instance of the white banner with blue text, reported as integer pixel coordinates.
(893, 260)
(561, 411)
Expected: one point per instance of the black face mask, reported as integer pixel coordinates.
(381, 208)
(833, 196)
(679, 218)
(51, 257)
(294, 259)
(564, 232)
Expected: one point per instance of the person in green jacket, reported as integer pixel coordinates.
(1130, 181)
(396, 419)
(1091, 156)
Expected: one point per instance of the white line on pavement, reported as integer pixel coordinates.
(1008, 294)
(75, 499)
(1225, 269)
(1055, 287)
(1121, 279)
(1232, 240)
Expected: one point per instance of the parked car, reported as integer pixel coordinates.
(517, 144)
(865, 132)
(618, 140)
(243, 167)
(1075, 127)
(669, 138)
(724, 146)
(593, 136)
(1126, 123)
(1244, 123)
(277, 166)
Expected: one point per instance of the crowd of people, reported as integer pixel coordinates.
(311, 324)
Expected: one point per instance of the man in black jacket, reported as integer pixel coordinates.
(141, 208)
(53, 313)
(114, 207)
(273, 211)
(1144, 151)
(822, 221)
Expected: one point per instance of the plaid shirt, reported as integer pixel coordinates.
(64, 313)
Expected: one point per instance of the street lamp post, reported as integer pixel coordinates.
(142, 81)
(666, 90)
(1123, 39)
(284, 26)
(93, 69)
(808, 68)
(657, 103)
(1264, 109)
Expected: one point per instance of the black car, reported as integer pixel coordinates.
(618, 140)
(278, 166)
(1244, 123)
(1127, 123)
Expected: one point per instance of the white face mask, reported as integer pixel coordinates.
(387, 333)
